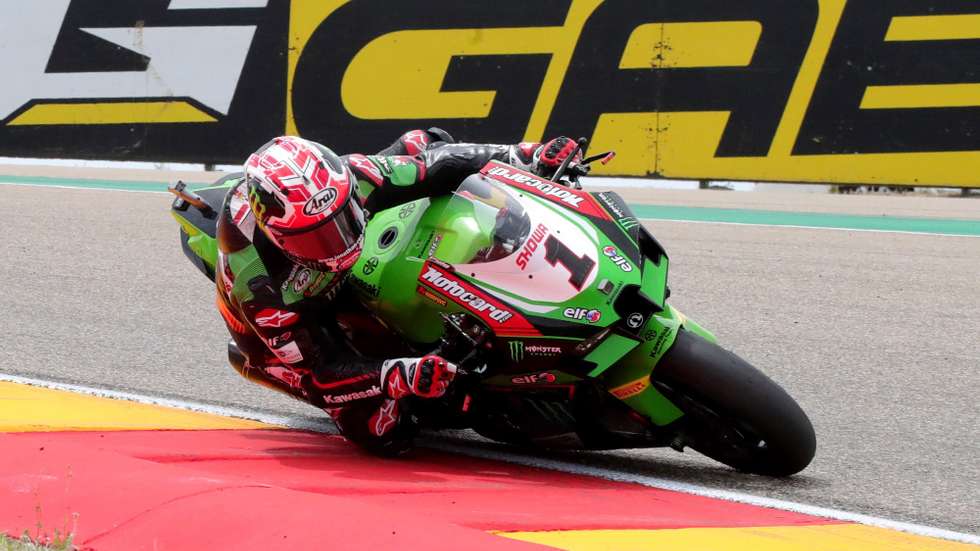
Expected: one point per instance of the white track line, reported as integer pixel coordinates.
(667, 484)
(253, 415)
(58, 186)
(867, 230)
(520, 459)
(643, 219)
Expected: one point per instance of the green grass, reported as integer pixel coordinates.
(25, 543)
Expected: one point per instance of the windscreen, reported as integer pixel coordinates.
(489, 221)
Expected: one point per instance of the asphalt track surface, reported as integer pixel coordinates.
(876, 334)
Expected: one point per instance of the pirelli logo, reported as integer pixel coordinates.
(631, 389)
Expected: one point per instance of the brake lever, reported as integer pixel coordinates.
(603, 158)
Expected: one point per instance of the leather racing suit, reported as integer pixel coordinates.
(297, 329)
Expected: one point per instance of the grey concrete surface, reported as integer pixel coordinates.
(915, 206)
(877, 336)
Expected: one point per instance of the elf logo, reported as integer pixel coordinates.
(534, 378)
(585, 314)
(532, 245)
(617, 258)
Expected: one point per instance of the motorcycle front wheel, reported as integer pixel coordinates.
(733, 413)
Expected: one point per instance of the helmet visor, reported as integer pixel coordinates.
(333, 245)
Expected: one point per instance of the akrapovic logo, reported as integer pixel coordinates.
(547, 188)
(437, 279)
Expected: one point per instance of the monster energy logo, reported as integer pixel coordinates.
(628, 223)
(517, 350)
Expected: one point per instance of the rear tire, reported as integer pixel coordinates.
(734, 413)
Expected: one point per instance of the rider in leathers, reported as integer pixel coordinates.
(281, 285)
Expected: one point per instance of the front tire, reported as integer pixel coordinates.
(734, 413)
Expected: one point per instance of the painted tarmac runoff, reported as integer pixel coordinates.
(123, 474)
(754, 217)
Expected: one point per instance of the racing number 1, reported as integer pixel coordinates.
(578, 266)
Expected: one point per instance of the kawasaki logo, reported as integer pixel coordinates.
(436, 278)
(351, 396)
(547, 188)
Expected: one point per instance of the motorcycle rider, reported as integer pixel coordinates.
(290, 230)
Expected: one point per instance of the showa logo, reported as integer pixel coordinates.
(532, 245)
(590, 316)
(617, 258)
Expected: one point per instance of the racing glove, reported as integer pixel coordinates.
(425, 377)
(553, 153)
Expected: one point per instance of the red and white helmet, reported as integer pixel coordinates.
(304, 199)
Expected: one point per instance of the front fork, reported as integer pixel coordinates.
(629, 378)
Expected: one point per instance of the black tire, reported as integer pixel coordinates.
(734, 413)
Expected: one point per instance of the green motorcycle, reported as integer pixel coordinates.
(553, 302)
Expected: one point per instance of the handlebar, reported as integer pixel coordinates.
(580, 145)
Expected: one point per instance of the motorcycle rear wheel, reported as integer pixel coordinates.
(734, 413)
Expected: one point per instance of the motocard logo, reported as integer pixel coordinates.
(617, 258)
(583, 314)
(453, 288)
(547, 189)
(320, 202)
(271, 317)
(533, 241)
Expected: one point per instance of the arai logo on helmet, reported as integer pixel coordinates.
(617, 258)
(320, 202)
(590, 316)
